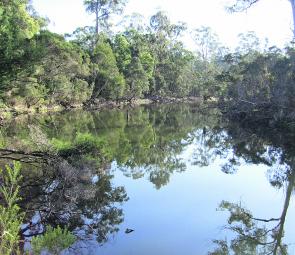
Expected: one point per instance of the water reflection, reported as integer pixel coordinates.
(142, 141)
(253, 235)
(81, 198)
(70, 157)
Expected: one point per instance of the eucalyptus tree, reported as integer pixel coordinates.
(207, 43)
(17, 27)
(134, 21)
(165, 31)
(84, 37)
(122, 51)
(103, 9)
(248, 42)
(137, 79)
(163, 40)
(134, 54)
(108, 81)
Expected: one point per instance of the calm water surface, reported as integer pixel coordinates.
(184, 180)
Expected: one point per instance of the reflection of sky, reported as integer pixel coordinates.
(181, 217)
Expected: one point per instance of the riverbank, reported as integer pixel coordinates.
(7, 112)
(103, 103)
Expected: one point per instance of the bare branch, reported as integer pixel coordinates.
(241, 5)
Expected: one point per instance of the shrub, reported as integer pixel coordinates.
(10, 215)
(54, 241)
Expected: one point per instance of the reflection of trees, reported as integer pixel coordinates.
(256, 235)
(207, 143)
(151, 140)
(144, 141)
(157, 159)
(251, 143)
(75, 189)
(251, 237)
(80, 198)
(155, 147)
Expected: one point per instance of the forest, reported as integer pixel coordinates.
(40, 69)
(58, 166)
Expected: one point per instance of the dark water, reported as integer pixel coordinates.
(184, 180)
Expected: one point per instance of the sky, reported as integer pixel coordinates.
(270, 19)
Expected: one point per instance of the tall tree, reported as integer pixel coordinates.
(134, 21)
(242, 5)
(207, 43)
(103, 9)
(248, 42)
(137, 79)
(122, 52)
(17, 27)
(108, 81)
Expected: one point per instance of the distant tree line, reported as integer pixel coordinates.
(40, 68)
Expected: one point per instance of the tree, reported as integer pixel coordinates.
(242, 5)
(61, 67)
(103, 9)
(160, 24)
(163, 44)
(17, 26)
(134, 21)
(108, 81)
(137, 79)
(251, 237)
(248, 42)
(84, 37)
(122, 52)
(207, 43)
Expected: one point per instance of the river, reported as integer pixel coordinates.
(169, 180)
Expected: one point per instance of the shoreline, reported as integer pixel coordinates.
(8, 113)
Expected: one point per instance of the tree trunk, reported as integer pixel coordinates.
(280, 232)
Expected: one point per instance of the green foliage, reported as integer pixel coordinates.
(45, 69)
(207, 43)
(89, 143)
(84, 37)
(54, 241)
(84, 145)
(261, 83)
(58, 73)
(148, 62)
(16, 25)
(63, 68)
(10, 214)
(103, 9)
(137, 79)
(108, 81)
(122, 50)
(60, 145)
(39, 68)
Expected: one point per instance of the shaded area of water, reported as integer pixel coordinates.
(184, 180)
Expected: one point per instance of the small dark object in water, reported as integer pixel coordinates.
(128, 230)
